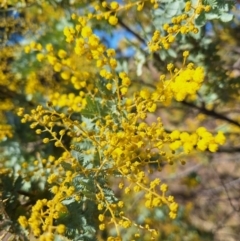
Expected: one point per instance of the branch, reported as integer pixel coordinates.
(142, 40)
(229, 150)
(236, 209)
(218, 189)
(211, 113)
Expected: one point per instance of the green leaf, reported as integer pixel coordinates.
(211, 16)
(226, 17)
(68, 201)
(172, 9)
(172, 53)
(101, 85)
(201, 19)
(163, 55)
(92, 108)
(89, 123)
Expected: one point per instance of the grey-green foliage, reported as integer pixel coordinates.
(10, 207)
(220, 10)
(166, 11)
(10, 192)
(220, 3)
(81, 219)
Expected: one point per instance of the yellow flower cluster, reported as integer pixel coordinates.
(124, 143)
(183, 24)
(118, 152)
(202, 139)
(33, 84)
(108, 11)
(133, 148)
(9, 86)
(128, 147)
(76, 103)
(186, 83)
(152, 199)
(45, 212)
(7, 78)
(64, 69)
(5, 131)
(182, 83)
(87, 47)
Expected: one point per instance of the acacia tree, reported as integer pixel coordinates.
(101, 103)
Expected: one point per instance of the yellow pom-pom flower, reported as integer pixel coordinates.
(113, 20)
(86, 31)
(114, 5)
